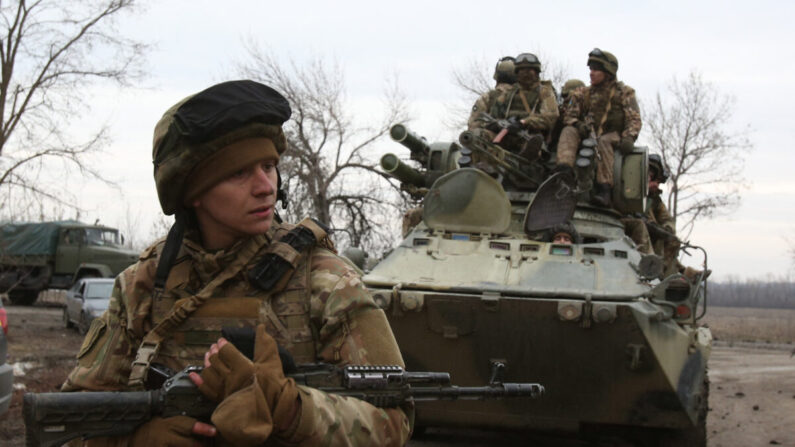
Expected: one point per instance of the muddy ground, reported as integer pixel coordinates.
(752, 400)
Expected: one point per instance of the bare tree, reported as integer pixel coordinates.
(330, 171)
(475, 77)
(50, 52)
(689, 124)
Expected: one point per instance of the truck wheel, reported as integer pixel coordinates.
(66, 323)
(83, 324)
(23, 297)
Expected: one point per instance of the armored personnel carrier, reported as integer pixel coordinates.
(617, 347)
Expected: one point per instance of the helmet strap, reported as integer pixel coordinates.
(170, 251)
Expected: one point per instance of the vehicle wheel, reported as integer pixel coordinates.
(23, 297)
(695, 436)
(83, 324)
(66, 323)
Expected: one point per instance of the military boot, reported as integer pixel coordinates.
(602, 195)
(531, 149)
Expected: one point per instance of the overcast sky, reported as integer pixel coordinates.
(742, 47)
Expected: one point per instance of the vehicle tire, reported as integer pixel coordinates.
(66, 323)
(23, 297)
(83, 324)
(695, 436)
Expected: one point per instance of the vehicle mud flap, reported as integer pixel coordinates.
(553, 203)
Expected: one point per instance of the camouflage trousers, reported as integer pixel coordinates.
(666, 249)
(569, 144)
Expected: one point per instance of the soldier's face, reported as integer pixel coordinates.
(597, 76)
(526, 76)
(241, 205)
(562, 238)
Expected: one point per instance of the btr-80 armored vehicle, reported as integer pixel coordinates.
(617, 346)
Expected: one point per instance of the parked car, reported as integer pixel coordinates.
(6, 370)
(87, 299)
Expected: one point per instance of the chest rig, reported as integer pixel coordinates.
(521, 103)
(607, 108)
(262, 281)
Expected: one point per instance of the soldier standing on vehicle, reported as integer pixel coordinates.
(216, 159)
(607, 110)
(504, 77)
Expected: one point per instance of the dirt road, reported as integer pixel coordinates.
(752, 400)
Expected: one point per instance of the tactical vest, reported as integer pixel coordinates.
(614, 122)
(236, 302)
(511, 104)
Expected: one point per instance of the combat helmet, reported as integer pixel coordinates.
(527, 60)
(603, 60)
(194, 130)
(570, 86)
(504, 70)
(657, 168)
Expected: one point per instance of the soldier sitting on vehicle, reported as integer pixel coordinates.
(565, 96)
(606, 110)
(505, 77)
(655, 231)
(529, 105)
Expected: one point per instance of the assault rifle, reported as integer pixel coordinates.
(52, 419)
(657, 230)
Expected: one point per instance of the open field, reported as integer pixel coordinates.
(746, 324)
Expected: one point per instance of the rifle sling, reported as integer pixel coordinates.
(273, 269)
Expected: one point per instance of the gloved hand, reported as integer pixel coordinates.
(626, 145)
(583, 129)
(177, 431)
(226, 371)
(256, 400)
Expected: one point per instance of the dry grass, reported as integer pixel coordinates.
(751, 324)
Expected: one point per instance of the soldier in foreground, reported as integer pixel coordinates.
(607, 110)
(229, 261)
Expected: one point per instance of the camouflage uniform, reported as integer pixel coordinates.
(536, 106)
(484, 105)
(613, 111)
(322, 314)
(668, 249)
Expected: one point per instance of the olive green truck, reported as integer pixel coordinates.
(53, 255)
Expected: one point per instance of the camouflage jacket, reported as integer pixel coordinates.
(591, 104)
(537, 106)
(323, 314)
(484, 104)
(657, 212)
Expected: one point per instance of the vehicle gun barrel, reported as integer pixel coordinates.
(392, 165)
(419, 148)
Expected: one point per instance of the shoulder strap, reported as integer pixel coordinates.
(607, 109)
(524, 102)
(283, 256)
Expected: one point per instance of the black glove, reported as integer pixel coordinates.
(626, 145)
